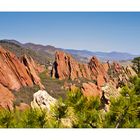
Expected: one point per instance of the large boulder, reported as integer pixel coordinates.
(42, 100)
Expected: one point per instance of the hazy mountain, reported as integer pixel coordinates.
(80, 55)
(118, 56)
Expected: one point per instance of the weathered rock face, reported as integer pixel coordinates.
(110, 90)
(90, 89)
(66, 67)
(106, 66)
(15, 74)
(86, 71)
(43, 100)
(12, 72)
(120, 75)
(98, 71)
(29, 61)
(130, 72)
(6, 98)
(96, 67)
(32, 70)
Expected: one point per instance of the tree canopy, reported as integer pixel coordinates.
(136, 64)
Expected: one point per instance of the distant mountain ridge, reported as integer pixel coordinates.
(112, 56)
(19, 50)
(81, 55)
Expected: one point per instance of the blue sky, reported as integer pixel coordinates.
(104, 32)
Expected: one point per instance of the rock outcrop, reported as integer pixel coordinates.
(29, 61)
(130, 72)
(90, 89)
(6, 98)
(15, 74)
(42, 100)
(110, 90)
(96, 67)
(66, 67)
(120, 75)
(12, 72)
(32, 70)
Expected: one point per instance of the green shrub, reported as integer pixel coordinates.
(125, 110)
(77, 111)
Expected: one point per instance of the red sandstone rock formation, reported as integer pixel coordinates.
(15, 74)
(6, 98)
(117, 67)
(86, 72)
(100, 80)
(106, 66)
(96, 67)
(90, 89)
(66, 67)
(98, 71)
(12, 72)
(32, 70)
(37, 67)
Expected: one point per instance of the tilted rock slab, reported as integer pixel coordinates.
(14, 74)
(32, 70)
